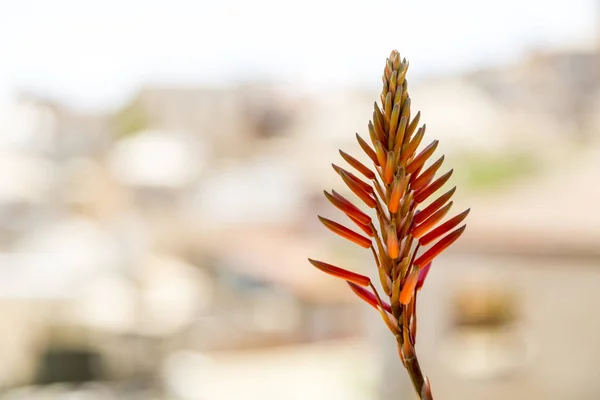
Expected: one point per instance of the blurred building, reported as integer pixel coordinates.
(180, 224)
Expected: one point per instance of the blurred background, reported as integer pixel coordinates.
(162, 165)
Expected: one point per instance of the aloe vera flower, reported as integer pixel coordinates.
(401, 188)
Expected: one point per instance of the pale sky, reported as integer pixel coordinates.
(93, 54)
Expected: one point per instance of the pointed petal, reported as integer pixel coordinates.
(362, 184)
(387, 109)
(408, 289)
(390, 321)
(423, 275)
(358, 190)
(393, 248)
(400, 133)
(434, 206)
(360, 167)
(409, 148)
(428, 175)
(422, 157)
(443, 228)
(398, 189)
(346, 233)
(388, 172)
(378, 123)
(367, 149)
(439, 247)
(419, 230)
(365, 228)
(341, 273)
(413, 125)
(368, 296)
(347, 208)
(430, 189)
(394, 121)
(381, 154)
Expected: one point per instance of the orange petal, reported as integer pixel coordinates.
(365, 228)
(388, 172)
(428, 175)
(423, 275)
(367, 149)
(443, 228)
(358, 190)
(409, 149)
(347, 208)
(413, 125)
(434, 206)
(400, 133)
(387, 109)
(362, 184)
(419, 230)
(408, 289)
(398, 189)
(390, 321)
(381, 154)
(424, 193)
(360, 167)
(378, 123)
(372, 134)
(394, 120)
(393, 248)
(422, 157)
(440, 246)
(346, 233)
(368, 296)
(341, 273)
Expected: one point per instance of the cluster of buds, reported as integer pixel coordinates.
(401, 190)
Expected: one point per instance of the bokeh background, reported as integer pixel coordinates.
(162, 166)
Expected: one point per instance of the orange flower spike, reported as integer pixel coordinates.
(409, 286)
(422, 157)
(443, 228)
(346, 233)
(428, 175)
(439, 247)
(434, 206)
(368, 296)
(360, 167)
(367, 149)
(364, 196)
(341, 273)
(347, 208)
(419, 230)
(430, 189)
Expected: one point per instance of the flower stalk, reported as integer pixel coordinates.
(400, 189)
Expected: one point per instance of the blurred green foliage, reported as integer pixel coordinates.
(130, 120)
(486, 172)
